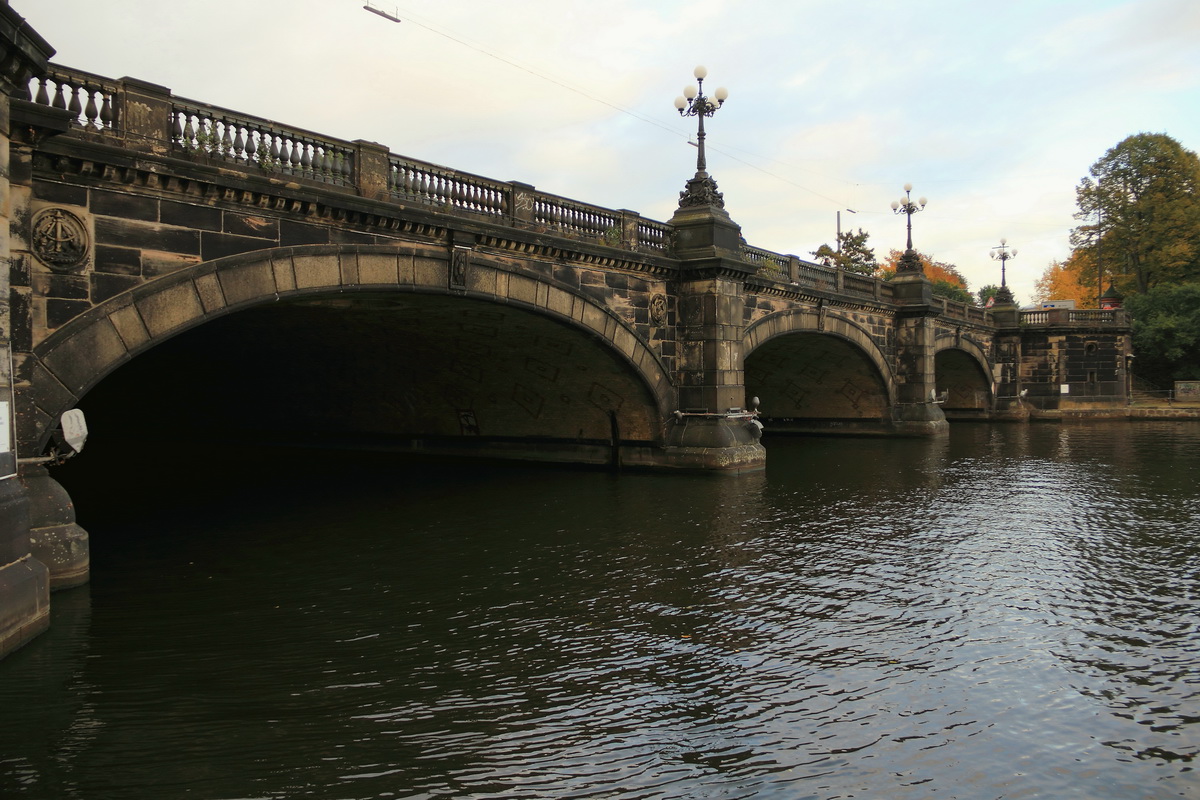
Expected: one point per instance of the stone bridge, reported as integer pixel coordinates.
(182, 269)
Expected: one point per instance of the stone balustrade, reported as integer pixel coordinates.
(1071, 316)
(189, 129)
(253, 143)
(90, 98)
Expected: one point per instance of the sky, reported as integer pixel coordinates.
(993, 111)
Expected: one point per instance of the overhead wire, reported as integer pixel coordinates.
(534, 72)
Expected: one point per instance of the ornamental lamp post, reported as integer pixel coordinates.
(905, 205)
(702, 189)
(1003, 253)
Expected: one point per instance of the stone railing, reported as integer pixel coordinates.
(1082, 316)
(166, 124)
(89, 97)
(964, 311)
(809, 275)
(255, 143)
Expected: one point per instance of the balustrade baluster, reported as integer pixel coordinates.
(252, 137)
(106, 109)
(74, 105)
(91, 112)
(307, 160)
(226, 149)
(60, 100)
(189, 131)
(239, 143)
(43, 97)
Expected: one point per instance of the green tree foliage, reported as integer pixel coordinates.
(1166, 333)
(1141, 208)
(947, 281)
(854, 255)
(986, 293)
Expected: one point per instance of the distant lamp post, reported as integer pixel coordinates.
(905, 205)
(839, 228)
(702, 189)
(1003, 253)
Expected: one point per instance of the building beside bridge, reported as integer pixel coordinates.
(198, 272)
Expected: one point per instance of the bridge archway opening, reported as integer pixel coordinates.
(967, 388)
(811, 382)
(382, 370)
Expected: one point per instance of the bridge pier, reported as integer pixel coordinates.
(54, 537)
(24, 580)
(712, 429)
(916, 412)
(1006, 375)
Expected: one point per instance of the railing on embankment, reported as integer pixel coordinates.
(101, 107)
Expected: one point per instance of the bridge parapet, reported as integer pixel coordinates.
(1071, 316)
(148, 117)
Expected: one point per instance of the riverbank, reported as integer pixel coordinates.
(1137, 410)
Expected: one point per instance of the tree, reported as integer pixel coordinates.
(1142, 211)
(853, 256)
(1064, 280)
(947, 281)
(1166, 333)
(986, 293)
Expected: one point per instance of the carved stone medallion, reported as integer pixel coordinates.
(59, 239)
(658, 310)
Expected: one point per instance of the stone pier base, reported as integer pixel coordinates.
(919, 419)
(54, 537)
(722, 443)
(24, 581)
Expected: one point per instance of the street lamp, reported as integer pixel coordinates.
(701, 190)
(905, 206)
(839, 228)
(1003, 253)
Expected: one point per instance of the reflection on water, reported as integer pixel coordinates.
(1011, 612)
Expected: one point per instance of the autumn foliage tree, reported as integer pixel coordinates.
(947, 281)
(1067, 280)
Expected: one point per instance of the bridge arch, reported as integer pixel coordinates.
(964, 374)
(632, 397)
(812, 368)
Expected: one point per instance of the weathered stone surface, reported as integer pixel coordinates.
(174, 307)
(316, 270)
(378, 269)
(123, 205)
(151, 236)
(246, 282)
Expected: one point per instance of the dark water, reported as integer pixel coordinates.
(1011, 613)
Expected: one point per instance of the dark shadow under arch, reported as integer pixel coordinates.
(373, 282)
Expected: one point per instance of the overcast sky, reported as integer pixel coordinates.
(994, 111)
